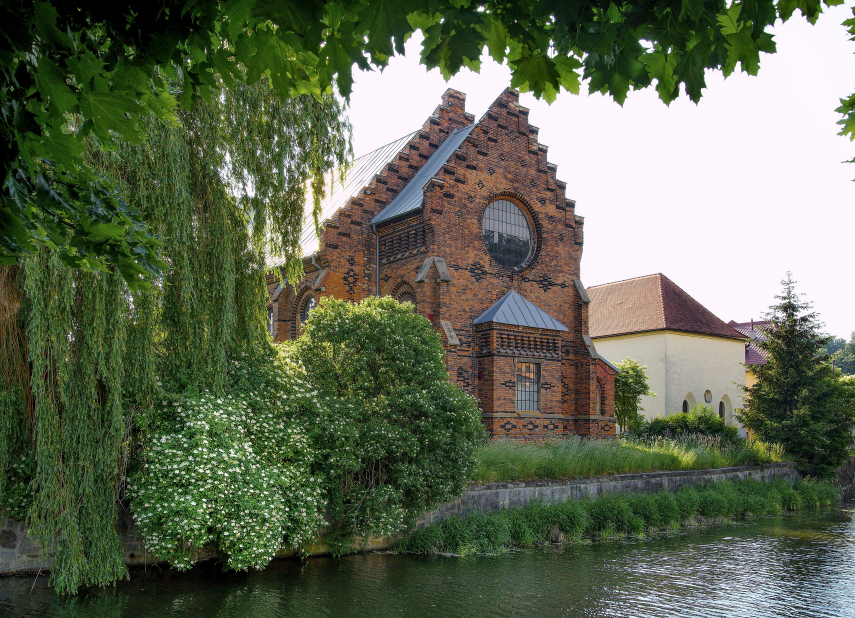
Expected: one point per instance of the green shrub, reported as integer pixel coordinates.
(687, 501)
(645, 507)
(791, 500)
(395, 437)
(712, 504)
(612, 514)
(571, 518)
(827, 494)
(669, 509)
(701, 419)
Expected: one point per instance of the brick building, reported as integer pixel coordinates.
(468, 221)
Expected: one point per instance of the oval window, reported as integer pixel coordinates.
(507, 234)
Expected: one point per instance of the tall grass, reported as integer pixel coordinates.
(615, 515)
(575, 457)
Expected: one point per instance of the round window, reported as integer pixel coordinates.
(507, 234)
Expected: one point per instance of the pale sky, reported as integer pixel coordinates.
(723, 198)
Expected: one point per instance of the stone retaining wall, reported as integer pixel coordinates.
(19, 555)
(846, 479)
(496, 496)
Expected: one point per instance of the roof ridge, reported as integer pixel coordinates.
(661, 299)
(371, 152)
(602, 285)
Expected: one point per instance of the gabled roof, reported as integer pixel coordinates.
(647, 304)
(412, 196)
(515, 310)
(360, 174)
(756, 331)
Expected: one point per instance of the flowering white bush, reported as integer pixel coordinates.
(356, 421)
(218, 472)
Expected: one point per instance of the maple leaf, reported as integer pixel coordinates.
(497, 38)
(538, 74)
(51, 81)
(690, 71)
(660, 66)
(568, 72)
(107, 111)
(693, 9)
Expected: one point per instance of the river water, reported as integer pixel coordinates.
(802, 565)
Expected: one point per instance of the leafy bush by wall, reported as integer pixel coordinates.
(394, 436)
(701, 419)
(356, 422)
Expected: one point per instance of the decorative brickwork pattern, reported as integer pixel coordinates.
(500, 159)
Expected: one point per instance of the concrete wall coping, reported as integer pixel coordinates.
(608, 478)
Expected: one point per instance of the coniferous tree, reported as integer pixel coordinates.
(799, 400)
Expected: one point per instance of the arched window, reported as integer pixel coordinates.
(599, 398)
(407, 297)
(721, 410)
(708, 396)
(507, 234)
(306, 309)
(685, 406)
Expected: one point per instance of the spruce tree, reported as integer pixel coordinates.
(799, 400)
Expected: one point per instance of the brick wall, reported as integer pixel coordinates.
(501, 158)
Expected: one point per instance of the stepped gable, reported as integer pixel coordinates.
(411, 198)
(648, 304)
(515, 310)
(374, 179)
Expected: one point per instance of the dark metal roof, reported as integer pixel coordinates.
(515, 310)
(412, 196)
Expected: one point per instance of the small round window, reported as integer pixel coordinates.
(507, 234)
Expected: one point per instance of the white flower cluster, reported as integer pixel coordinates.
(209, 477)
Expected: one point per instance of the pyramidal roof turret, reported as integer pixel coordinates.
(515, 310)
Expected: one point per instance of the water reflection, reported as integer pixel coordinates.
(786, 566)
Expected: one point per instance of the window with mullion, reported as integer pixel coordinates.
(528, 387)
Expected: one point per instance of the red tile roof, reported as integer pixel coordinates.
(648, 304)
(756, 331)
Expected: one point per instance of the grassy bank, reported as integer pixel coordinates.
(615, 515)
(574, 457)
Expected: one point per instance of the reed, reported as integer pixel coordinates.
(615, 516)
(576, 457)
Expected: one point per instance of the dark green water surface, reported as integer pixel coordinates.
(801, 565)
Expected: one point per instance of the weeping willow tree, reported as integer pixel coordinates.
(84, 358)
